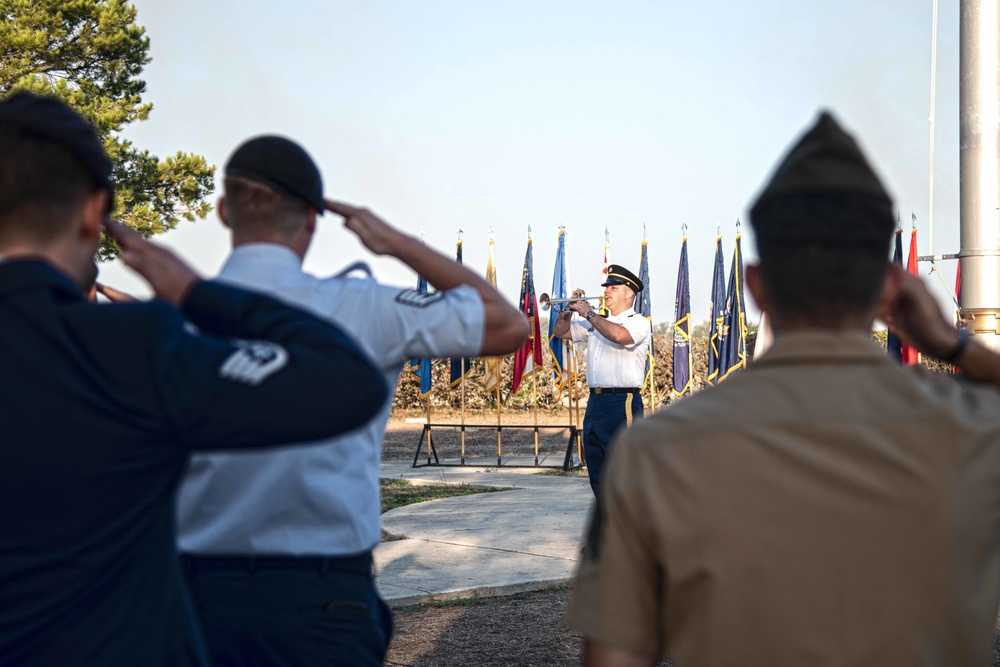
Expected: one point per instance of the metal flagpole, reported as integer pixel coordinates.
(462, 383)
(534, 398)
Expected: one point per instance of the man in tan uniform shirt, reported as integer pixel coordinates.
(826, 507)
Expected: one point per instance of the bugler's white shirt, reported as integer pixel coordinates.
(319, 500)
(610, 364)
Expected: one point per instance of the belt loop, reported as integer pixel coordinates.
(251, 565)
(324, 566)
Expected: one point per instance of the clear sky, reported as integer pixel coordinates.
(442, 114)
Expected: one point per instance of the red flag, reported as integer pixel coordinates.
(910, 355)
(528, 359)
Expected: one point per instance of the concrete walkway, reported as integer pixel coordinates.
(487, 544)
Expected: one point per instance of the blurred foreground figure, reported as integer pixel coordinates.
(278, 545)
(825, 507)
(100, 406)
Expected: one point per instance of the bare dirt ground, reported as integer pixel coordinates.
(518, 630)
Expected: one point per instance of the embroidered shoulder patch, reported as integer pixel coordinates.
(417, 299)
(253, 362)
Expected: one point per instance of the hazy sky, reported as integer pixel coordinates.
(443, 114)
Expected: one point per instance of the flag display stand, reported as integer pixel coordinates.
(571, 460)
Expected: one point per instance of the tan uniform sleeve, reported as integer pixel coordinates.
(616, 597)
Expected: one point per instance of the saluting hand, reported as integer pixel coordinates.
(374, 232)
(170, 278)
(913, 314)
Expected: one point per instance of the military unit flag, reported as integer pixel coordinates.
(528, 358)
(460, 366)
(422, 367)
(644, 306)
(682, 325)
(893, 344)
(716, 333)
(734, 326)
(492, 363)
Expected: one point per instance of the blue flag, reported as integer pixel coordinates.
(893, 344)
(422, 367)
(734, 327)
(682, 326)
(460, 366)
(644, 306)
(557, 346)
(718, 314)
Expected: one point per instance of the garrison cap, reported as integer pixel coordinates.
(282, 164)
(619, 275)
(50, 119)
(826, 167)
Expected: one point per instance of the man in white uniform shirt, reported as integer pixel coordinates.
(616, 362)
(277, 545)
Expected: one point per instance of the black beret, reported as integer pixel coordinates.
(824, 169)
(282, 164)
(50, 119)
(619, 275)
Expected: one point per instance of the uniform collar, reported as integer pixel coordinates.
(818, 346)
(625, 313)
(18, 275)
(268, 264)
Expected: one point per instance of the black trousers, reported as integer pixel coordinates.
(284, 612)
(605, 414)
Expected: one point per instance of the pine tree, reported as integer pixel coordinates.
(90, 54)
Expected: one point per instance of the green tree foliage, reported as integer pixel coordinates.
(90, 53)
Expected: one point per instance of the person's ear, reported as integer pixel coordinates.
(92, 214)
(758, 288)
(223, 212)
(311, 217)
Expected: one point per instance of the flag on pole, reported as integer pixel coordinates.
(422, 367)
(734, 345)
(718, 313)
(460, 367)
(909, 354)
(682, 325)
(958, 293)
(528, 359)
(893, 344)
(644, 306)
(557, 346)
(492, 363)
(603, 310)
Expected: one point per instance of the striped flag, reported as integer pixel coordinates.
(682, 327)
(909, 354)
(558, 346)
(718, 314)
(460, 366)
(422, 367)
(492, 363)
(528, 359)
(734, 345)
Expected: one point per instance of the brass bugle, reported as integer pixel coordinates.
(544, 302)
